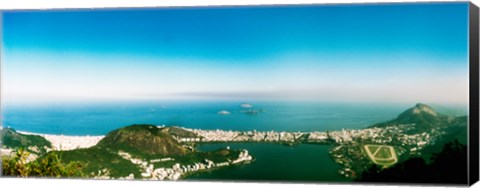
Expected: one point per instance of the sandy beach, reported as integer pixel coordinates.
(62, 142)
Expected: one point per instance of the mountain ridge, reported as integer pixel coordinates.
(422, 116)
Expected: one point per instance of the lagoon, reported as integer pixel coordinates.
(276, 162)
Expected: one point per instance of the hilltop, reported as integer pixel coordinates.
(32, 143)
(425, 120)
(149, 152)
(143, 140)
(422, 116)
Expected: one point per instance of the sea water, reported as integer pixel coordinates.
(273, 162)
(100, 118)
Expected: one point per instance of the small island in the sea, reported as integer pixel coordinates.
(223, 112)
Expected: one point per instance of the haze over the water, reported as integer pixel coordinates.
(388, 53)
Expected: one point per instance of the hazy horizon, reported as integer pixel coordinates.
(403, 53)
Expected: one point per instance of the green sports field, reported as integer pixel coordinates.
(383, 155)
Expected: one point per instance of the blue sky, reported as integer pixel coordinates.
(375, 52)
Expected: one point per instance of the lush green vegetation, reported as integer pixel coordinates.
(95, 159)
(448, 166)
(373, 148)
(458, 131)
(384, 153)
(48, 166)
(143, 141)
(175, 131)
(423, 116)
(13, 139)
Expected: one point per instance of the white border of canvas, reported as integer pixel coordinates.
(49, 4)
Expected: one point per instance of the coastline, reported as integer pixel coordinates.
(343, 150)
(62, 142)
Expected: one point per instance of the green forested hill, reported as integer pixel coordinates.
(12, 139)
(143, 140)
(423, 116)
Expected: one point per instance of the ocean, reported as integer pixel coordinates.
(273, 162)
(100, 118)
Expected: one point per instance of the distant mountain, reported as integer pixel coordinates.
(13, 139)
(143, 140)
(422, 116)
